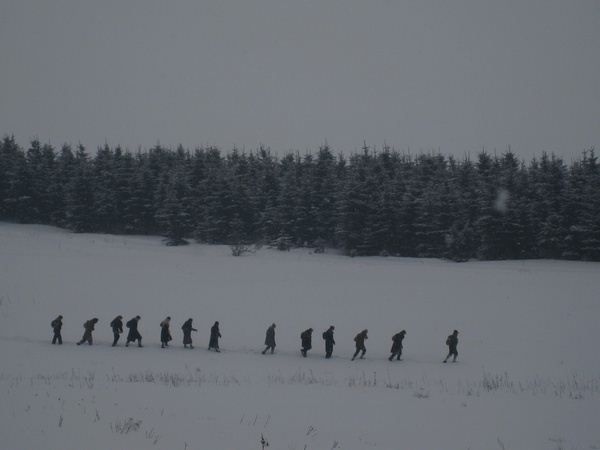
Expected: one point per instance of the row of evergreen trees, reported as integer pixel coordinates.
(370, 203)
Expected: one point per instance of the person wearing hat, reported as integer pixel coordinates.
(452, 343)
(215, 334)
(117, 329)
(306, 337)
(329, 341)
(359, 339)
(56, 325)
(134, 334)
(87, 334)
(397, 346)
(165, 333)
(187, 329)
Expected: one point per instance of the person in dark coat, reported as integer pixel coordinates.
(165, 332)
(270, 339)
(117, 329)
(306, 337)
(215, 334)
(397, 346)
(329, 341)
(87, 334)
(359, 339)
(187, 329)
(452, 343)
(56, 325)
(134, 334)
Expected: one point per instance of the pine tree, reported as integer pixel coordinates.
(174, 215)
(80, 207)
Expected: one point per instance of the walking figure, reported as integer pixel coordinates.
(329, 341)
(397, 346)
(56, 325)
(452, 343)
(215, 334)
(87, 334)
(165, 333)
(117, 329)
(134, 334)
(187, 329)
(359, 339)
(306, 337)
(270, 339)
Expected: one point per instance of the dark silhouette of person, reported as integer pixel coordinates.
(329, 341)
(134, 334)
(306, 337)
(452, 343)
(56, 325)
(359, 339)
(165, 332)
(187, 329)
(397, 346)
(215, 334)
(270, 339)
(117, 329)
(87, 334)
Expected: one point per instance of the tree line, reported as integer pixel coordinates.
(368, 203)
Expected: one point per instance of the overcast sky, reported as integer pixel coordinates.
(453, 76)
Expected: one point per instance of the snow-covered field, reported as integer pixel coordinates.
(528, 375)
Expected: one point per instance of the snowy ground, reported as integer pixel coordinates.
(528, 375)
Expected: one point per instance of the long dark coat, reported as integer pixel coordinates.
(306, 337)
(397, 342)
(165, 334)
(133, 334)
(187, 331)
(215, 334)
(329, 341)
(270, 337)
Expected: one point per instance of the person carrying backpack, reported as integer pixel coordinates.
(306, 337)
(329, 341)
(452, 343)
(87, 334)
(359, 339)
(134, 334)
(397, 346)
(56, 325)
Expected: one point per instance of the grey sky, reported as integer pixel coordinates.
(450, 75)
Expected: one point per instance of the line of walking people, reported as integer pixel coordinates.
(134, 336)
